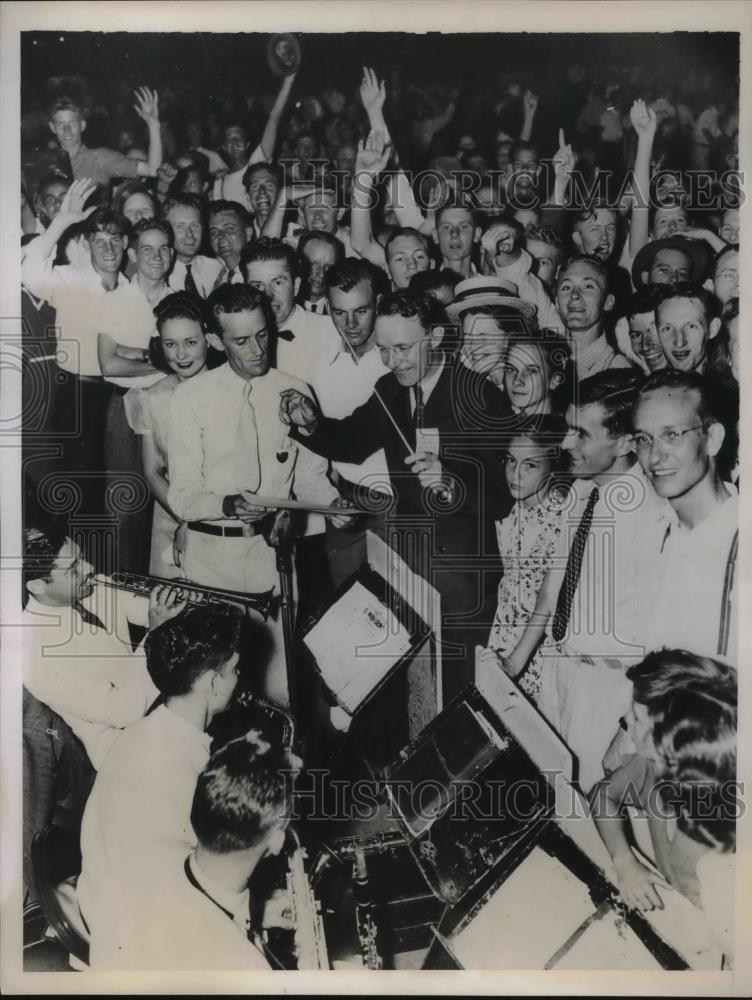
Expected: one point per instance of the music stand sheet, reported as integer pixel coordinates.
(357, 622)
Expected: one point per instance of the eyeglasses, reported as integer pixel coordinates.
(670, 439)
(400, 351)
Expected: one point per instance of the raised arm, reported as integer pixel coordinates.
(37, 270)
(147, 107)
(529, 107)
(373, 156)
(644, 121)
(269, 137)
(286, 195)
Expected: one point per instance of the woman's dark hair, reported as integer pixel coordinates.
(180, 305)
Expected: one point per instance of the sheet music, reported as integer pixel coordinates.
(357, 621)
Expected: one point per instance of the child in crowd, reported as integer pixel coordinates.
(527, 536)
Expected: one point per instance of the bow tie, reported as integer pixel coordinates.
(285, 335)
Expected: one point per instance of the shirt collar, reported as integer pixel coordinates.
(185, 730)
(237, 903)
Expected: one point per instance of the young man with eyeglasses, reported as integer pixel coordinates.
(79, 659)
(687, 595)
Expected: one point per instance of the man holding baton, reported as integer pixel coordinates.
(436, 519)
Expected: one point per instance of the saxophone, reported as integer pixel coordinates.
(310, 942)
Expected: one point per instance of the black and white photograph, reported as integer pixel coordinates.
(372, 588)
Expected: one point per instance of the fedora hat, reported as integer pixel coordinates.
(488, 291)
(696, 250)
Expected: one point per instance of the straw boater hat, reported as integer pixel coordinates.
(488, 291)
(696, 250)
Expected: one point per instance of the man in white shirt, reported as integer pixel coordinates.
(78, 655)
(588, 596)
(143, 792)
(91, 300)
(687, 597)
(229, 234)
(343, 380)
(303, 338)
(195, 913)
(191, 270)
(226, 439)
(583, 298)
(236, 150)
(318, 252)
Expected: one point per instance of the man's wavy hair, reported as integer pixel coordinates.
(243, 793)
(182, 649)
(692, 703)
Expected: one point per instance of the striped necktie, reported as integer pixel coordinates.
(573, 570)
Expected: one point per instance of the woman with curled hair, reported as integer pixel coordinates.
(181, 350)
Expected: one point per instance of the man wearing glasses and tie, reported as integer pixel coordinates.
(436, 521)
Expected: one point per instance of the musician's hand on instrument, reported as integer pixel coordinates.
(341, 520)
(165, 602)
(278, 911)
(178, 543)
(298, 410)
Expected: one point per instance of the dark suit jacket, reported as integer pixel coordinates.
(460, 531)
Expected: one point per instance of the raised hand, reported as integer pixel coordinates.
(706, 126)
(373, 155)
(72, 209)
(644, 119)
(372, 93)
(530, 102)
(147, 104)
(564, 159)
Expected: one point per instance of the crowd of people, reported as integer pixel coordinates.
(521, 371)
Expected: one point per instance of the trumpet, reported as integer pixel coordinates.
(265, 603)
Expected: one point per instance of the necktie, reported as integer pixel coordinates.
(419, 407)
(286, 335)
(230, 275)
(248, 464)
(190, 282)
(573, 570)
(87, 616)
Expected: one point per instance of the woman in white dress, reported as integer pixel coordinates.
(180, 349)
